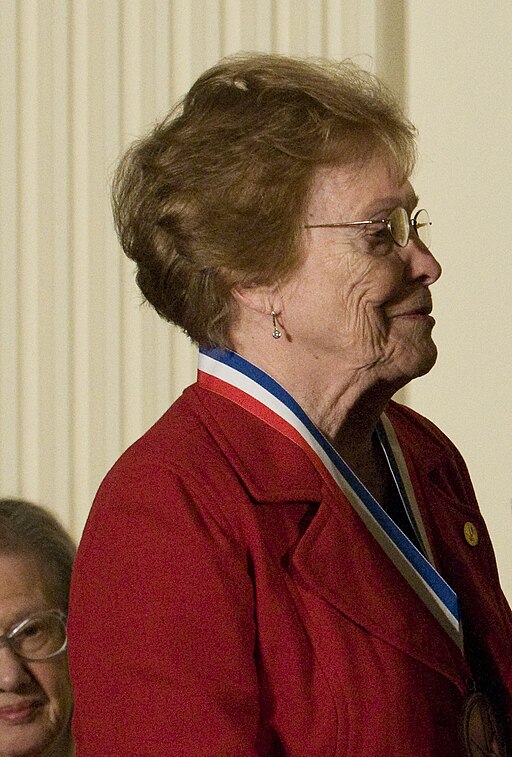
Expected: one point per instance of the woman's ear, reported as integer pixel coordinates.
(259, 299)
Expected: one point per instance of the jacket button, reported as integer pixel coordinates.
(470, 533)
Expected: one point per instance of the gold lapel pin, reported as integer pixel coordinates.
(471, 533)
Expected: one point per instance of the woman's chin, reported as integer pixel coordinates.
(412, 363)
(33, 738)
(422, 364)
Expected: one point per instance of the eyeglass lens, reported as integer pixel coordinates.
(39, 637)
(400, 226)
(423, 226)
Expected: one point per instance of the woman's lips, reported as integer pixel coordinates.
(414, 315)
(414, 312)
(19, 713)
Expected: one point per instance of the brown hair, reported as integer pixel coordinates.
(215, 196)
(28, 529)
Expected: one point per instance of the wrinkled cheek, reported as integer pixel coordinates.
(363, 302)
(366, 332)
(61, 703)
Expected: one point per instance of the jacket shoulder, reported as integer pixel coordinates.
(430, 451)
(412, 426)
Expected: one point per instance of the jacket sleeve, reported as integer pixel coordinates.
(161, 627)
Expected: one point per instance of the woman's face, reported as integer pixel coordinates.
(357, 301)
(35, 697)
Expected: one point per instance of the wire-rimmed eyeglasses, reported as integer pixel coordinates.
(398, 224)
(38, 637)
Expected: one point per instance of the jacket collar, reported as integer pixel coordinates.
(273, 469)
(276, 470)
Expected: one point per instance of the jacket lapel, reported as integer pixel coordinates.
(337, 557)
(340, 561)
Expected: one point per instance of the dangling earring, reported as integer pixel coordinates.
(275, 331)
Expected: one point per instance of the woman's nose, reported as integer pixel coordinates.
(421, 264)
(13, 672)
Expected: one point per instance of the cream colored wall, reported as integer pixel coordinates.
(460, 96)
(84, 369)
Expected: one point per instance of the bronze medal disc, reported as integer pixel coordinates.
(482, 735)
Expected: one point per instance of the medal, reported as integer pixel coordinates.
(481, 732)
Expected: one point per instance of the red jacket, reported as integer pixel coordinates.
(225, 603)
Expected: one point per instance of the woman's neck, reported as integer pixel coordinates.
(344, 403)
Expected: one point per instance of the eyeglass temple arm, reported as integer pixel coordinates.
(340, 225)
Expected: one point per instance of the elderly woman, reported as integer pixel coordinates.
(287, 562)
(36, 556)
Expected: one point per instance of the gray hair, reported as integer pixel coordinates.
(31, 530)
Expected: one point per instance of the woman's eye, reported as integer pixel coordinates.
(30, 631)
(380, 242)
(379, 235)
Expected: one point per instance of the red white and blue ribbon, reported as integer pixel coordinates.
(230, 375)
